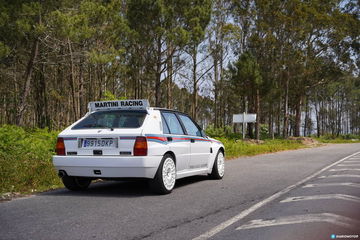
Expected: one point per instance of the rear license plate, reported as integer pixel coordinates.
(99, 143)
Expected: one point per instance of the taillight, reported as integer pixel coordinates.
(60, 146)
(140, 147)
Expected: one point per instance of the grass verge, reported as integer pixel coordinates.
(25, 160)
(237, 148)
(337, 140)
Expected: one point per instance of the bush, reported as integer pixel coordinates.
(226, 131)
(264, 131)
(236, 148)
(345, 138)
(25, 159)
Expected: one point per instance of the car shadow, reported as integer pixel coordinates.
(122, 188)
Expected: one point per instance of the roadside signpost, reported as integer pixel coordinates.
(244, 118)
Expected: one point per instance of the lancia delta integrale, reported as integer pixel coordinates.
(129, 139)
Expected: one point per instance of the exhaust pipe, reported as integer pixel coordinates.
(62, 173)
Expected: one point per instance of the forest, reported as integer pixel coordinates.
(295, 63)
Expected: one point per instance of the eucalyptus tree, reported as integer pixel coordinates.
(159, 31)
(221, 33)
(247, 80)
(197, 17)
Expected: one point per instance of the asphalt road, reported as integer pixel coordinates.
(302, 194)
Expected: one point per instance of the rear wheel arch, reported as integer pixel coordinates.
(172, 154)
(164, 181)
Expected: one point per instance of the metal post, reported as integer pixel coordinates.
(243, 129)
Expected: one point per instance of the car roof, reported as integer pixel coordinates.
(169, 110)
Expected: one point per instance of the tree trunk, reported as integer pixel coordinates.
(169, 69)
(298, 117)
(158, 75)
(339, 115)
(222, 110)
(286, 106)
(27, 87)
(216, 84)
(257, 110)
(72, 82)
(42, 117)
(195, 86)
(278, 119)
(271, 121)
(306, 118)
(318, 130)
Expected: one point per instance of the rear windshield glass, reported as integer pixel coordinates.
(112, 119)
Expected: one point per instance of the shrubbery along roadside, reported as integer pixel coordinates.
(25, 155)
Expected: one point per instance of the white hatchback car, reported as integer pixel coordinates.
(129, 139)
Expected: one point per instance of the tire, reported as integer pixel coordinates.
(76, 183)
(165, 177)
(218, 169)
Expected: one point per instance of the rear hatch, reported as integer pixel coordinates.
(109, 133)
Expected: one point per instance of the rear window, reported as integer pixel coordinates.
(112, 119)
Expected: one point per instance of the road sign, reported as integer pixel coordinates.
(244, 118)
(239, 118)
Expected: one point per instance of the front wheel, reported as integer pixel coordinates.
(165, 177)
(218, 169)
(76, 183)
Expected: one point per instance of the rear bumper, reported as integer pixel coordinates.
(109, 166)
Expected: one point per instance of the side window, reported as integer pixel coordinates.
(164, 125)
(173, 123)
(190, 126)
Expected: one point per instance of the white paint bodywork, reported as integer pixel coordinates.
(191, 158)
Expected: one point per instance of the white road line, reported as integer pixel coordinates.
(323, 197)
(307, 218)
(344, 169)
(348, 165)
(340, 175)
(332, 185)
(260, 204)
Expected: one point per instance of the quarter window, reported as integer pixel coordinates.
(164, 125)
(190, 126)
(173, 123)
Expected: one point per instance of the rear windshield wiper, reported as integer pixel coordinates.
(103, 126)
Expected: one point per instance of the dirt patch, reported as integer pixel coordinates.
(12, 195)
(253, 141)
(306, 141)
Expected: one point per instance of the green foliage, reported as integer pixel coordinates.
(63, 54)
(264, 131)
(226, 131)
(4, 50)
(109, 96)
(345, 138)
(236, 148)
(247, 71)
(25, 159)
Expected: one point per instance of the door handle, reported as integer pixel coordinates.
(169, 139)
(192, 140)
